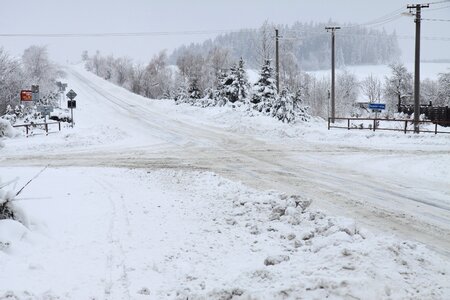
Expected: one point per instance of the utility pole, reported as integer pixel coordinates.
(277, 60)
(418, 8)
(333, 106)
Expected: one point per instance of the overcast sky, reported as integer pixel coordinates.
(104, 16)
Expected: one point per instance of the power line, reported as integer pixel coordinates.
(123, 34)
(437, 20)
(438, 8)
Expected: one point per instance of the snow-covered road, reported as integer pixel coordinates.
(370, 184)
(163, 224)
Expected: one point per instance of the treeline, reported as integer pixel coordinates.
(307, 44)
(34, 67)
(215, 80)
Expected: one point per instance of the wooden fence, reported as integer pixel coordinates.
(375, 125)
(33, 125)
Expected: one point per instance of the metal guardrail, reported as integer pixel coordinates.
(375, 125)
(28, 126)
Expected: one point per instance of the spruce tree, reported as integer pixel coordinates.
(264, 90)
(283, 108)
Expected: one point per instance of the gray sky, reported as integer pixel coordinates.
(100, 16)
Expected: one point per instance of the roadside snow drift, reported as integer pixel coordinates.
(170, 234)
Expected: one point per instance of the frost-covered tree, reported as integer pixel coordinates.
(264, 43)
(217, 60)
(264, 90)
(429, 92)
(38, 69)
(346, 93)
(122, 69)
(398, 87)
(443, 93)
(11, 80)
(159, 77)
(371, 88)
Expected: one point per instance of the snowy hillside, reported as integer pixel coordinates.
(145, 199)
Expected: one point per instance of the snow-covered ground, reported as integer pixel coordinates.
(146, 199)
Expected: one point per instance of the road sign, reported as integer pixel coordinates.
(45, 109)
(71, 95)
(377, 106)
(376, 110)
(71, 104)
(26, 95)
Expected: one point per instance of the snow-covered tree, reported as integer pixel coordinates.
(264, 90)
(398, 87)
(301, 111)
(11, 81)
(39, 70)
(346, 93)
(283, 107)
(193, 91)
(237, 86)
(371, 88)
(443, 93)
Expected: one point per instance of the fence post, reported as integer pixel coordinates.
(59, 125)
(374, 123)
(406, 125)
(46, 128)
(328, 123)
(435, 128)
(26, 127)
(348, 124)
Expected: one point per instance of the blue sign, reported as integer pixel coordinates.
(377, 106)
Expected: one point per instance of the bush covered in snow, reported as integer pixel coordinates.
(6, 130)
(6, 197)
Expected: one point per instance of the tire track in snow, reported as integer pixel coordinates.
(117, 285)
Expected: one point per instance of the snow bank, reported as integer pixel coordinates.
(6, 130)
(171, 234)
(295, 252)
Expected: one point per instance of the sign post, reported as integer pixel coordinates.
(71, 103)
(376, 108)
(45, 110)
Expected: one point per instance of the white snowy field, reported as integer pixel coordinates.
(427, 70)
(146, 199)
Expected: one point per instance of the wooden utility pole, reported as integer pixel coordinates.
(418, 8)
(333, 104)
(277, 60)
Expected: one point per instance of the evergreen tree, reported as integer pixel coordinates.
(283, 107)
(300, 110)
(220, 93)
(193, 91)
(264, 90)
(236, 83)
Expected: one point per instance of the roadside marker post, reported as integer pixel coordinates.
(71, 103)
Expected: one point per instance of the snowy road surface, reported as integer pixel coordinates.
(388, 183)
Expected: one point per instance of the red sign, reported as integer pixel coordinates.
(26, 95)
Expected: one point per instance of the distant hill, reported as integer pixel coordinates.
(308, 43)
